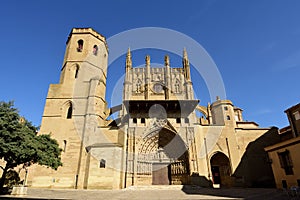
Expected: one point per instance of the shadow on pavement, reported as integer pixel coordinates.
(238, 193)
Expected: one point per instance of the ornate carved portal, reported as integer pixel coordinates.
(162, 158)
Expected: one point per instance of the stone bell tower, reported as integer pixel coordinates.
(75, 107)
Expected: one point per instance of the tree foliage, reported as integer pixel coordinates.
(20, 144)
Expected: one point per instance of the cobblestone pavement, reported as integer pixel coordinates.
(155, 192)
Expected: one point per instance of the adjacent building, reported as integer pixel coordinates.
(284, 156)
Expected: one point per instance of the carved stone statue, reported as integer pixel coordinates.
(147, 59)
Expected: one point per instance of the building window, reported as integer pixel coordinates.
(178, 120)
(298, 182)
(65, 146)
(228, 117)
(296, 115)
(225, 108)
(69, 112)
(80, 45)
(134, 120)
(102, 163)
(143, 120)
(286, 162)
(95, 50)
(186, 120)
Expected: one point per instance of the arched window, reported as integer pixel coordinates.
(95, 50)
(76, 71)
(228, 117)
(80, 45)
(64, 145)
(102, 163)
(69, 111)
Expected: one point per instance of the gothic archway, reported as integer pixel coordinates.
(221, 170)
(163, 158)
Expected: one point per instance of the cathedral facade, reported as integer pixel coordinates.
(157, 138)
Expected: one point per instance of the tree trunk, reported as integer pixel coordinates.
(2, 179)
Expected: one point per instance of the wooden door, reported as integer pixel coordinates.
(160, 174)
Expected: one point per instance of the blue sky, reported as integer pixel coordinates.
(255, 45)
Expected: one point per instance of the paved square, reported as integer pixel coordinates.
(155, 192)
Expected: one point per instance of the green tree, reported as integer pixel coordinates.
(20, 144)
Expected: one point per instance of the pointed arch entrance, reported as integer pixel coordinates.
(221, 170)
(162, 158)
